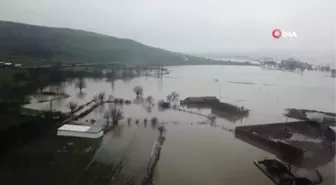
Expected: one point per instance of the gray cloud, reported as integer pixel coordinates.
(229, 26)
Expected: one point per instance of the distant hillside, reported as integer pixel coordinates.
(28, 43)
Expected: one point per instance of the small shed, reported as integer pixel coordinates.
(85, 131)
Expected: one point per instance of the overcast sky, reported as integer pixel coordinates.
(198, 26)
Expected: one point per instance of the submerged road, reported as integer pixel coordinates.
(121, 160)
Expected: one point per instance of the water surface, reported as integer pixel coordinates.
(202, 154)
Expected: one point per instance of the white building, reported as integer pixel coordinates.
(85, 131)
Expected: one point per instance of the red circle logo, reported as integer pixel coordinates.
(276, 33)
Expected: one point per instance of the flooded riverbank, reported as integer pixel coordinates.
(194, 153)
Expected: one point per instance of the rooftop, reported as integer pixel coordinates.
(301, 143)
(80, 131)
(200, 99)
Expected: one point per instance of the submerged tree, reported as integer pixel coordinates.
(111, 77)
(101, 97)
(72, 106)
(154, 121)
(212, 119)
(173, 97)
(80, 83)
(107, 117)
(161, 130)
(115, 114)
(58, 89)
(150, 101)
(138, 90)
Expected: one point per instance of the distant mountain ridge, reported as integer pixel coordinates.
(26, 43)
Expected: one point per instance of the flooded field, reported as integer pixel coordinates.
(193, 153)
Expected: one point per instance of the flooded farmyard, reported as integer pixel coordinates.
(196, 149)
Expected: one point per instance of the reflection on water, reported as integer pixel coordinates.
(197, 153)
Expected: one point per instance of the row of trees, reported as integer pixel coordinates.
(115, 113)
(149, 101)
(172, 98)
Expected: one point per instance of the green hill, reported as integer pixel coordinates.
(26, 43)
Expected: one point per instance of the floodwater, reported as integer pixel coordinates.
(201, 154)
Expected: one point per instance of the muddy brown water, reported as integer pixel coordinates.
(199, 153)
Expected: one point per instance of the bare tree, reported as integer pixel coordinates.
(72, 106)
(101, 97)
(145, 122)
(150, 101)
(161, 129)
(212, 119)
(115, 114)
(80, 84)
(169, 98)
(138, 90)
(154, 121)
(173, 97)
(107, 117)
